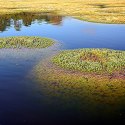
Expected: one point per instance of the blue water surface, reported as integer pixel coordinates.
(21, 99)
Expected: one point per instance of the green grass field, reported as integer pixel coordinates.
(103, 11)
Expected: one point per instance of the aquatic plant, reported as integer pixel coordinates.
(25, 42)
(101, 61)
(70, 85)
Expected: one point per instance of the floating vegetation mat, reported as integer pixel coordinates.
(25, 42)
(80, 76)
(97, 61)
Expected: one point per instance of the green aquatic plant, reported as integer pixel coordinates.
(68, 84)
(77, 88)
(101, 61)
(62, 77)
(25, 42)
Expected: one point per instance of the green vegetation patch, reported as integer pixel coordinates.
(73, 84)
(69, 85)
(92, 60)
(25, 42)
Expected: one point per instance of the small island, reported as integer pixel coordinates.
(96, 61)
(25, 42)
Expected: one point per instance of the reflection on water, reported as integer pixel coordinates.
(71, 32)
(26, 19)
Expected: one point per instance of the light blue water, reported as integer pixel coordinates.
(74, 33)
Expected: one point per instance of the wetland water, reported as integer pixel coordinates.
(21, 100)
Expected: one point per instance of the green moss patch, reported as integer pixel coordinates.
(101, 61)
(25, 42)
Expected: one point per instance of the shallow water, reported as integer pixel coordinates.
(21, 99)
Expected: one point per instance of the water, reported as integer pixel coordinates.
(71, 32)
(21, 100)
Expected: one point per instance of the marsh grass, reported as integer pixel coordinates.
(67, 84)
(98, 61)
(25, 42)
(102, 11)
(80, 86)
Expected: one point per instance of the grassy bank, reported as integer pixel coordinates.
(104, 11)
(106, 87)
(25, 42)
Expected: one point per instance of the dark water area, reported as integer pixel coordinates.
(22, 101)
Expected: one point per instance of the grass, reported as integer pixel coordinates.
(101, 61)
(103, 11)
(25, 42)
